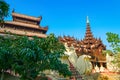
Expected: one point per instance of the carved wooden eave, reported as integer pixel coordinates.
(89, 45)
(26, 17)
(21, 33)
(26, 25)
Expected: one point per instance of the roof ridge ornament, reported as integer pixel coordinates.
(13, 10)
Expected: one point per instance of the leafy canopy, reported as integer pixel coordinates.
(114, 40)
(4, 10)
(31, 56)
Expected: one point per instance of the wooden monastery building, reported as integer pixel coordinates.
(24, 25)
(89, 45)
(30, 26)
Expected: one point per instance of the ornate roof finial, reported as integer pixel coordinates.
(87, 19)
(13, 10)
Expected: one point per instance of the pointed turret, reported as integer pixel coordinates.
(89, 45)
(88, 34)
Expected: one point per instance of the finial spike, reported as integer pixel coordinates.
(87, 19)
(13, 10)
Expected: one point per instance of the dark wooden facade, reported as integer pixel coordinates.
(89, 45)
(24, 25)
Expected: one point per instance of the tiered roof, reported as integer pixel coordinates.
(26, 19)
(89, 45)
(24, 25)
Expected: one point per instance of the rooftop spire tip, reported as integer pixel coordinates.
(87, 19)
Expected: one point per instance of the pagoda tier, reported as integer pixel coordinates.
(89, 45)
(24, 25)
(26, 19)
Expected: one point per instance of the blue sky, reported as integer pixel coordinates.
(68, 17)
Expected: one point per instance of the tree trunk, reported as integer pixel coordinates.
(2, 75)
(2, 22)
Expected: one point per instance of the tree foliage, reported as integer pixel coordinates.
(6, 55)
(4, 10)
(114, 40)
(29, 57)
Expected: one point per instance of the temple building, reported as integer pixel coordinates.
(24, 25)
(89, 45)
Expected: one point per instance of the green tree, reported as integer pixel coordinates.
(33, 56)
(40, 54)
(6, 56)
(4, 11)
(114, 40)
